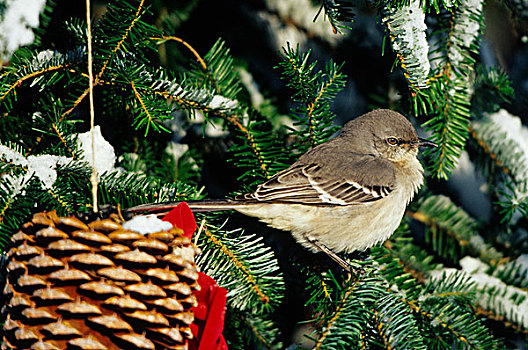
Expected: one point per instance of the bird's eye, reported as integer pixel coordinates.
(392, 141)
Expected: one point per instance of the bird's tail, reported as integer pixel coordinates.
(196, 206)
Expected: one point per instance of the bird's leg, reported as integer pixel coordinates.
(332, 255)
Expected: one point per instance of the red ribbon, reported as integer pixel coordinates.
(182, 217)
(209, 315)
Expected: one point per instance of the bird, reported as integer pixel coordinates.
(344, 195)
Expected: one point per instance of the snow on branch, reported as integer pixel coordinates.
(504, 140)
(406, 28)
(505, 301)
(44, 167)
(466, 31)
(505, 136)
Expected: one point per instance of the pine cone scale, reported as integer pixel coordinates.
(96, 285)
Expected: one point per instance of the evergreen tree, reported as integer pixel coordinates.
(443, 281)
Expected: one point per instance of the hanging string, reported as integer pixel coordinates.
(93, 177)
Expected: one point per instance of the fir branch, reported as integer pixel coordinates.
(220, 72)
(405, 291)
(451, 92)
(312, 106)
(490, 315)
(414, 259)
(449, 126)
(338, 13)
(10, 188)
(183, 91)
(402, 334)
(314, 93)
(51, 126)
(262, 331)
(12, 211)
(243, 265)
(215, 73)
(493, 88)
(38, 65)
(13, 175)
(78, 101)
(495, 160)
(240, 266)
(163, 39)
(259, 141)
(42, 184)
(322, 286)
(187, 97)
(63, 204)
(437, 5)
(513, 200)
(114, 16)
(179, 190)
(367, 303)
(146, 117)
(298, 71)
(503, 151)
(448, 299)
(456, 290)
(129, 189)
(7, 90)
(76, 30)
(60, 135)
(499, 153)
(394, 270)
(118, 26)
(42, 178)
(446, 304)
(215, 81)
(352, 314)
(514, 272)
(246, 330)
(456, 285)
(260, 149)
(406, 29)
(44, 22)
(68, 193)
(451, 231)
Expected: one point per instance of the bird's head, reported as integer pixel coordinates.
(386, 134)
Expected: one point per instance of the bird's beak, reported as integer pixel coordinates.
(426, 143)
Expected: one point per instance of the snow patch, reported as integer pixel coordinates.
(104, 152)
(513, 128)
(16, 26)
(43, 167)
(146, 224)
(176, 149)
(493, 294)
(221, 102)
(472, 265)
(466, 29)
(407, 27)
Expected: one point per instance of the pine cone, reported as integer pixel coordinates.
(73, 285)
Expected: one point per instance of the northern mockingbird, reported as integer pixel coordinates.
(344, 195)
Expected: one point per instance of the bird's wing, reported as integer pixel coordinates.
(314, 183)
